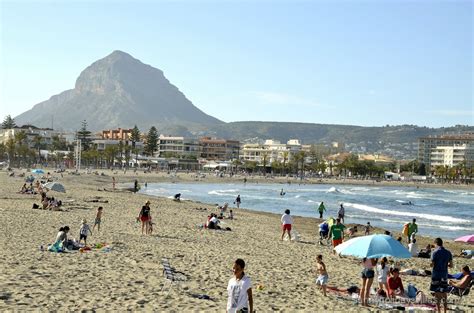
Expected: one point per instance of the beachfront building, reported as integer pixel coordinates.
(31, 133)
(102, 144)
(452, 155)
(439, 145)
(270, 151)
(219, 149)
(179, 147)
(117, 134)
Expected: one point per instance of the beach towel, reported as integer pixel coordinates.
(459, 275)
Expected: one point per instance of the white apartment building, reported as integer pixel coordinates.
(451, 155)
(169, 146)
(31, 133)
(272, 150)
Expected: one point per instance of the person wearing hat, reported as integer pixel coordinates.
(145, 217)
(84, 231)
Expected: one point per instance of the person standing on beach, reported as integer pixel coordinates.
(341, 213)
(367, 275)
(84, 231)
(286, 222)
(145, 217)
(441, 259)
(321, 209)
(239, 290)
(412, 230)
(135, 186)
(98, 218)
(237, 201)
(323, 277)
(337, 233)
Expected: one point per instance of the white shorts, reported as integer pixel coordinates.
(322, 280)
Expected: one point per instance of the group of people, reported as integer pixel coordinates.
(48, 203)
(28, 189)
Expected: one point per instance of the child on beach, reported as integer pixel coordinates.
(382, 274)
(98, 218)
(84, 231)
(367, 229)
(322, 279)
(231, 215)
(286, 222)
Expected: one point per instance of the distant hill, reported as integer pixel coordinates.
(118, 91)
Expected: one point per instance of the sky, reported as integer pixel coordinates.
(368, 63)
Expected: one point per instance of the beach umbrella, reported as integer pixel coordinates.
(55, 187)
(37, 171)
(373, 246)
(467, 239)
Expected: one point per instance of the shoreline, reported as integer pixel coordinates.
(128, 277)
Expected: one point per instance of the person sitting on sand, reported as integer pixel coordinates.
(23, 189)
(213, 222)
(323, 277)
(177, 197)
(425, 253)
(413, 248)
(239, 290)
(286, 222)
(459, 286)
(351, 231)
(395, 285)
(61, 237)
(45, 203)
(84, 231)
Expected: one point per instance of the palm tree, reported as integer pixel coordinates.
(285, 155)
(37, 144)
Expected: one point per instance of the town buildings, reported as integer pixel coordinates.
(447, 150)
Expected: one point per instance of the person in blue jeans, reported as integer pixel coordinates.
(441, 259)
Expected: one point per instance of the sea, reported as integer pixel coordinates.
(448, 213)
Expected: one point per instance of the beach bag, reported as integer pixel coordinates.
(411, 291)
(381, 293)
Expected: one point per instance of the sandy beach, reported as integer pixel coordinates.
(129, 276)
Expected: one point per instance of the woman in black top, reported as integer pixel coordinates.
(145, 217)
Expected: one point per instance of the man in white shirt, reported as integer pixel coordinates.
(286, 222)
(239, 290)
(413, 248)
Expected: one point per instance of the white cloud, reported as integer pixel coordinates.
(454, 112)
(275, 98)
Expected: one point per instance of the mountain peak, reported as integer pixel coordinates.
(119, 91)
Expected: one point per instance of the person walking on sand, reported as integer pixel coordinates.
(441, 259)
(341, 213)
(286, 222)
(337, 233)
(323, 277)
(237, 201)
(239, 290)
(321, 209)
(98, 218)
(145, 217)
(84, 231)
(113, 182)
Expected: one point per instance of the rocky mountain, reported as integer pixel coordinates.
(118, 91)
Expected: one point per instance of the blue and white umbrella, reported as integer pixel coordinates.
(37, 171)
(55, 187)
(373, 246)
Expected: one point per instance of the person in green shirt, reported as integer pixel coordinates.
(412, 229)
(337, 233)
(321, 209)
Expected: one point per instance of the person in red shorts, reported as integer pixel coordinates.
(286, 222)
(337, 233)
(145, 217)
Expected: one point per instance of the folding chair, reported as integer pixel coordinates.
(461, 293)
(172, 276)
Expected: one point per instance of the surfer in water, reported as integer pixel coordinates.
(282, 193)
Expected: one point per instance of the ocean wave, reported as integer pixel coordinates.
(333, 189)
(434, 217)
(223, 192)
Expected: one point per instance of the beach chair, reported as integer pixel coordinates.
(460, 293)
(172, 276)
